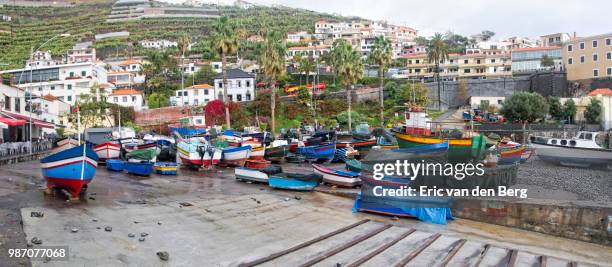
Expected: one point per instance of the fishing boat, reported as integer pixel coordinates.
(318, 152)
(277, 150)
(235, 156)
(257, 163)
(295, 158)
(197, 153)
(509, 153)
(256, 175)
(432, 153)
(353, 165)
(584, 150)
(108, 150)
(115, 165)
(165, 168)
(64, 144)
(359, 145)
(294, 181)
(71, 169)
(337, 177)
(136, 144)
(143, 168)
(460, 149)
(257, 152)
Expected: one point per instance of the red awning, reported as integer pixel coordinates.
(26, 119)
(12, 122)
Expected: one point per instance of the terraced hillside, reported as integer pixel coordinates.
(32, 26)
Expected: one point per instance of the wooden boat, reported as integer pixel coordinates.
(337, 177)
(70, 169)
(319, 152)
(509, 154)
(144, 168)
(257, 152)
(460, 149)
(165, 168)
(277, 150)
(115, 165)
(256, 175)
(294, 181)
(108, 150)
(257, 163)
(64, 144)
(235, 156)
(359, 145)
(295, 158)
(193, 153)
(433, 153)
(139, 155)
(139, 144)
(581, 151)
(353, 165)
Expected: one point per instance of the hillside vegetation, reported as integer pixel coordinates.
(32, 26)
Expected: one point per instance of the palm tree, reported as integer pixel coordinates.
(381, 56)
(183, 43)
(437, 52)
(225, 42)
(272, 62)
(348, 65)
(307, 66)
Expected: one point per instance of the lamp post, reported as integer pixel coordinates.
(40, 82)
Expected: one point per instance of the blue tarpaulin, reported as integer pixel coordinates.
(432, 215)
(188, 131)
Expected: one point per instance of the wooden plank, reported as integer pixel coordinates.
(543, 261)
(344, 246)
(513, 257)
(302, 245)
(380, 249)
(482, 255)
(418, 250)
(453, 251)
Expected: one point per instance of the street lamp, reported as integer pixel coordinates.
(40, 82)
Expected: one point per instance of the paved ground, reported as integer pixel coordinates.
(229, 222)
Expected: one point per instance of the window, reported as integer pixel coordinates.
(17, 104)
(238, 97)
(220, 85)
(478, 61)
(69, 98)
(7, 103)
(239, 84)
(609, 72)
(595, 73)
(248, 95)
(570, 61)
(465, 61)
(409, 61)
(492, 60)
(70, 87)
(595, 57)
(570, 48)
(83, 73)
(205, 91)
(581, 46)
(52, 87)
(124, 99)
(608, 41)
(581, 59)
(195, 102)
(594, 43)
(185, 93)
(248, 83)
(609, 55)
(133, 98)
(115, 99)
(179, 93)
(72, 74)
(466, 71)
(229, 97)
(416, 61)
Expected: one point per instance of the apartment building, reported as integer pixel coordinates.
(529, 60)
(555, 39)
(489, 64)
(314, 51)
(296, 37)
(199, 94)
(588, 58)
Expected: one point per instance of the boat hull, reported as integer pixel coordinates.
(322, 152)
(70, 169)
(108, 150)
(277, 153)
(139, 168)
(459, 150)
(257, 152)
(248, 174)
(114, 165)
(165, 168)
(291, 184)
(190, 157)
(573, 157)
(235, 156)
(510, 154)
(337, 177)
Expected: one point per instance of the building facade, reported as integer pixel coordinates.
(241, 85)
(489, 64)
(588, 58)
(199, 94)
(127, 97)
(529, 60)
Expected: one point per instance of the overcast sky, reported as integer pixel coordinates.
(528, 18)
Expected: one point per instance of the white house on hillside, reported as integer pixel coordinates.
(241, 85)
(127, 97)
(195, 95)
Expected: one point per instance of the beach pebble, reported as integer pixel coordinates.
(163, 255)
(36, 241)
(143, 234)
(142, 239)
(297, 197)
(94, 220)
(108, 228)
(74, 230)
(286, 199)
(131, 235)
(185, 204)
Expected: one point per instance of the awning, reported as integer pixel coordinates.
(26, 119)
(11, 122)
(3, 126)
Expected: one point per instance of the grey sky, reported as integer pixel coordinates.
(529, 18)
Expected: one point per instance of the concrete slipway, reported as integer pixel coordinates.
(209, 219)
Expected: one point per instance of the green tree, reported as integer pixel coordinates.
(381, 56)
(547, 61)
(204, 75)
(555, 110)
(307, 66)
(225, 42)
(183, 43)
(416, 94)
(525, 107)
(349, 67)
(569, 110)
(593, 111)
(272, 62)
(437, 51)
(157, 100)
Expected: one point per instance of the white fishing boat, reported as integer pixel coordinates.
(197, 153)
(64, 144)
(248, 174)
(584, 150)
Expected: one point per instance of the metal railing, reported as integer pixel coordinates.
(15, 149)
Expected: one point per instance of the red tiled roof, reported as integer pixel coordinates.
(200, 86)
(601, 91)
(309, 47)
(126, 91)
(129, 62)
(49, 97)
(536, 48)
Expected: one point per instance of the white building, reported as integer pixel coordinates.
(314, 51)
(66, 81)
(195, 95)
(13, 106)
(127, 97)
(241, 86)
(134, 67)
(296, 37)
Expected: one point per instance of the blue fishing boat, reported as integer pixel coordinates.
(318, 152)
(165, 168)
(337, 177)
(294, 181)
(114, 165)
(432, 153)
(70, 169)
(353, 165)
(143, 168)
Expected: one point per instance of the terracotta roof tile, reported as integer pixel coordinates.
(601, 91)
(125, 91)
